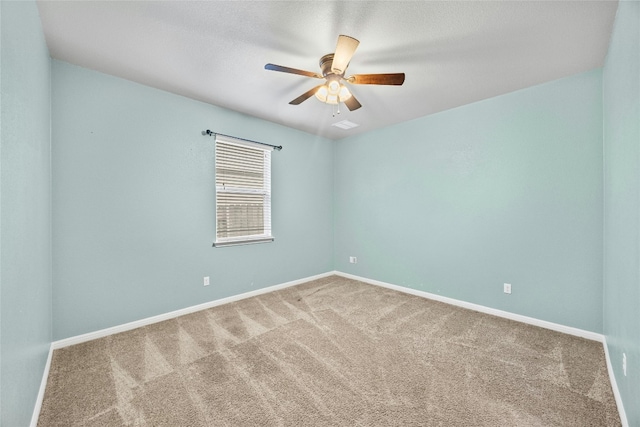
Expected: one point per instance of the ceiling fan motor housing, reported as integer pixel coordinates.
(325, 65)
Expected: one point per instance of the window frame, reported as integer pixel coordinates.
(265, 191)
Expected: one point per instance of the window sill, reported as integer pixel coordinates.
(222, 244)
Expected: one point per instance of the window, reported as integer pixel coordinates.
(243, 192)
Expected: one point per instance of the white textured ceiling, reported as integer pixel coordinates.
(453, 53)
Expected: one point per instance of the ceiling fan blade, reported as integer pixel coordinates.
(377, 79)
(352, 103)
(345, 49)
(274, 67)
(308, 94)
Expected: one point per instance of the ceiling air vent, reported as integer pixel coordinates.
(345, 124)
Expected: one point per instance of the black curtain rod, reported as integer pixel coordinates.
(275, 147)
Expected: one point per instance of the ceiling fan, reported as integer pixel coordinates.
(333, 67)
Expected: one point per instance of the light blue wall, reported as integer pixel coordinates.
(134, 207)
(504, 190)
(25, 212)
(622, 204)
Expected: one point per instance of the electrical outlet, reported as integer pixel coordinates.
(206, 280)
(507, 288)
(353, 260)
(624, 364)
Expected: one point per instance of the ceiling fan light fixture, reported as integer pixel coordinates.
(322, 93)
(333, 87)
(332, 99)
(333, 93)
(344, 93)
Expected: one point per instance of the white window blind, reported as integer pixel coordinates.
(243, 192)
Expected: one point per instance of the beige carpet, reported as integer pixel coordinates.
(332, 352)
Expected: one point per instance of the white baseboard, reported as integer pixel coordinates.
(482, 309)
(614, 386)
(43, 386)
(166, 316)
